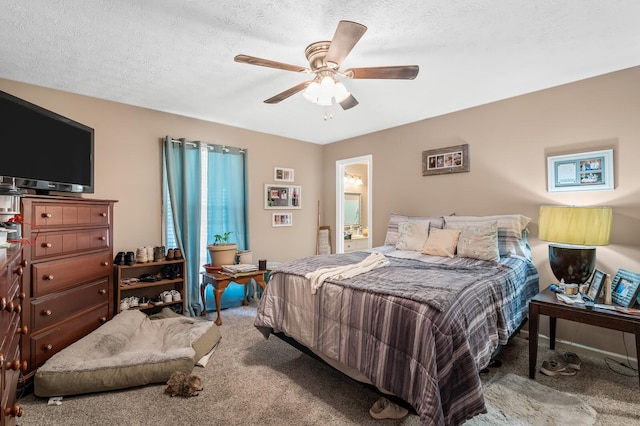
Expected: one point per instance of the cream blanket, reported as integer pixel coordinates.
(318, 277)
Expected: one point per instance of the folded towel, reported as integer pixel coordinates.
(318, 277)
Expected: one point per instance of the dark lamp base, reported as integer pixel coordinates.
(573, 265)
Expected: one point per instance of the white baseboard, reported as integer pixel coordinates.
(585, 350)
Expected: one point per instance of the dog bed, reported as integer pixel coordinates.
(132, 349)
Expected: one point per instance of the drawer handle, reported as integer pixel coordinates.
(24, 330)
(22, 296)
(17, 308)
(47, 312)
(14, 410)
(104, 263)
(47, 245)
(48, 277)
(46, 215)
(24, 263)
(9, 306)
(13, 365)
(102, 291)
(103, 319)
(19, 271)
(103, 214)
(47, 347)
(103, 238)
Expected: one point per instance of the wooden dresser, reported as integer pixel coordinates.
(11, 302)
(69, 282)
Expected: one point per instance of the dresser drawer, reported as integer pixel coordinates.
(47, 215)
(57, 275)
(45, 345)
(48, 310)
(60, 243)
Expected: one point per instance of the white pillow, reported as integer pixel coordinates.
(442, 242)
(412, 235)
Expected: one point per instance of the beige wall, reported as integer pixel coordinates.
(508, 145)
(128, 169)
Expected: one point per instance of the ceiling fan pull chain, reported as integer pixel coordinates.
(328, 115)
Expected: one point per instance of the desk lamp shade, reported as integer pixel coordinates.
(574, 230)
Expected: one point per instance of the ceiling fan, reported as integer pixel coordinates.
(325, 59)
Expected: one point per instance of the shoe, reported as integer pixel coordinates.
(119, 260)
(141, 255)
(158, 254)
(149, 253)
(572, 360)
(385, 409)
(171, 254)
(175, 295)
(554, 368)
(177, 254)
(130, 258)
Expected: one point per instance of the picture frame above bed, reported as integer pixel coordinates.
(452, 159)
(585, 171)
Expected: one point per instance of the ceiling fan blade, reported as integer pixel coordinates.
(289, 92)
(346, 36)
(403, 72)
(349, 103)
(252, 60)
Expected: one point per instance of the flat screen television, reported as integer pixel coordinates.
(42, 150)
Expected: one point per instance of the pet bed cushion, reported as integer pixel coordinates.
(130, 350)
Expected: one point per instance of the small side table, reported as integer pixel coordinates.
(546, 303)
(220, 282)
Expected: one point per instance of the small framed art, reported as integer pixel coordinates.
(625, 288)
(281, 174)
(281, 219)
(452, 159)
(282, 196)
(586, 171)
(595, 285)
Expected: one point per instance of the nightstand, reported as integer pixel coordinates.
(546, 303)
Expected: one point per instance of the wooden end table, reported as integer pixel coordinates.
(546, 303)
(220, 281)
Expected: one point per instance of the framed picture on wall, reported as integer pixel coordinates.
(281, 219)
(452, 159)
(282, 196)
(280, 174)
(585, 171)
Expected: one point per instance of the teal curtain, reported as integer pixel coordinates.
(206, 191)
(183, 182)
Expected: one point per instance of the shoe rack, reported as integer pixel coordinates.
(124, 274)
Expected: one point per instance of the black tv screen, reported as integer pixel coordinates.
(43, 150)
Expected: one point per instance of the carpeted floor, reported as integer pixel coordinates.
(253, 381)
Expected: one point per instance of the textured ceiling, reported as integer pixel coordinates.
(177, 56)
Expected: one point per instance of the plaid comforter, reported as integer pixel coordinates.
(419, 328)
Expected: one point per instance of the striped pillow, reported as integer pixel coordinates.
(511, 231)
(391, 239)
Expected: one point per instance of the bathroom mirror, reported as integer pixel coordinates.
(352, 208)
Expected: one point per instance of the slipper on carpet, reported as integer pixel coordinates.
(554, 368)
(385, 409)
(572, 360)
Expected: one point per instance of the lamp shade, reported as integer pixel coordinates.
(589, 226)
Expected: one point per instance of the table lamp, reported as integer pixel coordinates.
(573, 231)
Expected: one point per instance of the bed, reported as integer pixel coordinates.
(421, 326)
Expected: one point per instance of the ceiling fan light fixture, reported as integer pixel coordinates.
(340, 92)
(312, 92)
